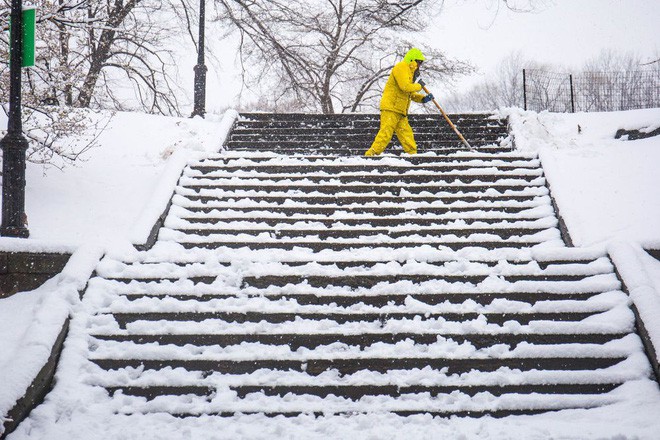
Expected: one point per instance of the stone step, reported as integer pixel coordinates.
(357, 392)
(480, 298)
(395, 152)
(319, 413)
(422, 129)
(449, 206)
(360, 126)
(466, 123)
(299, 229)
(353, 265)
(456, 158)
(318, 246)
(283, 223)
(350, 366)
(397, 192)
(123, 319)
(326, 234)
(464, 218)
(330, 137)
(366, 166)
(532, 177)
(395, 189)
(203, 284)
(312, 341)
(332, 146)
(341, 200)
(355, 281)
(350, 117)
(366, 210)
(425, 400)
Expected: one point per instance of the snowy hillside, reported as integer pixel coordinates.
(605, 187)
(100, 199)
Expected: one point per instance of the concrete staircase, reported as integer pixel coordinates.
(324, 284)
(352, 134)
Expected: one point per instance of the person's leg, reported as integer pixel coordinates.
(405, 134)
(388, 123)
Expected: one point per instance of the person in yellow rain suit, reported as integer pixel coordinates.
(399, 90)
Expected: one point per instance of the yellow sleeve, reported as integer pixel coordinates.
(401, 74)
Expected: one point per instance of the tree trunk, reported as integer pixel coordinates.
(101, 50)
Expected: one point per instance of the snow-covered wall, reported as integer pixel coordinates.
(641, 276)
(30, 323)
(156, 207)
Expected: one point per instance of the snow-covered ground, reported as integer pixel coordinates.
(101, 198)
(606, 190)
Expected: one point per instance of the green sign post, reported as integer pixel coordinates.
(29, 25)
(29, 18)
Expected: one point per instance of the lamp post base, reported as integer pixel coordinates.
(199, 91)
(13, 145)
(17, 232)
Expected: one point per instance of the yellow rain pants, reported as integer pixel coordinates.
(390, 123)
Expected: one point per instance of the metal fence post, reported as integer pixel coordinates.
(525, 89)
(570, 78)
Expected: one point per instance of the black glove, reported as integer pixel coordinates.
(427, 98)
(421, 83)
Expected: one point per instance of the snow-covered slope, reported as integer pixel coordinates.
(606, 188)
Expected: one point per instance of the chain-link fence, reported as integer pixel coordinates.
(590, 91)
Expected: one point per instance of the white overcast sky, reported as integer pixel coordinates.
(562, 32)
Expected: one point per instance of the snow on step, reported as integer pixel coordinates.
(110, 268)
(325, 284)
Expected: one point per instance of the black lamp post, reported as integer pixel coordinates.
(14, 144)
(200, 69)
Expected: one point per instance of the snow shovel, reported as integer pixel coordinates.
(460, 136)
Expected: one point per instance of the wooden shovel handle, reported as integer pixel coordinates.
(451, 124)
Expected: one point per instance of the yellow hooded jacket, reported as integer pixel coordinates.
(400, 88)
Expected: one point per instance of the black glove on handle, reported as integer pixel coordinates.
(421, 83)
(427, 98)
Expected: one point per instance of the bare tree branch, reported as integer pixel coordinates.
(325, 55)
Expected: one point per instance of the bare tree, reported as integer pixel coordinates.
(328, 55)
(610, 81)
(104, 53)
(99, 54)
(502, 88)
(523, 5)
